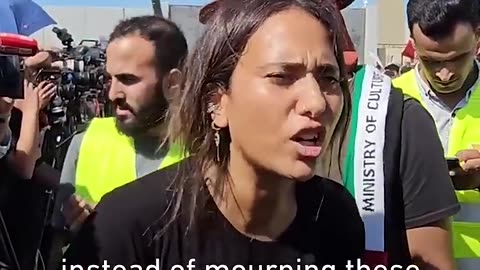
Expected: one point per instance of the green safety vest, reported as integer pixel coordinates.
(107, 160)
(465, 132)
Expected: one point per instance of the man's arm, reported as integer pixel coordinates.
(429, 196)
(71, 210)
(67, 180)
(69, 168)
(431, 245)
(115, 231)
(27, 150)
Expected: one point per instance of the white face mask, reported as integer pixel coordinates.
(3, 151)
(4, 148)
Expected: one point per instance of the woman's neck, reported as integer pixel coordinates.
(258, 204)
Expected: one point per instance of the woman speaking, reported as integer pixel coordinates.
(265, 92)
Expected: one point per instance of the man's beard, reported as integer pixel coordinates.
(147, 117)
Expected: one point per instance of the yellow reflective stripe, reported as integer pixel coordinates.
(408, 84)
(174, 155)
(466, 239)
(465, 131)
(106, 160)
(468, 196)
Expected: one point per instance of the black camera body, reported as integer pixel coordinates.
(11, 77)
(12, 48)
(80, 78)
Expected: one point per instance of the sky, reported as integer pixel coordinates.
(133, 3)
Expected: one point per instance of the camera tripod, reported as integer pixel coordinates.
(9, 260)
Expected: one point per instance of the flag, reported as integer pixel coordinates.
(371, 205)
(409, 50)
(350, 55)
(23, 17)
(378, 62)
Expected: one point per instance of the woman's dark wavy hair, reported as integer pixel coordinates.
(209, 69)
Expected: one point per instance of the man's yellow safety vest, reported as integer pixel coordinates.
(465, 132)
(107, 158)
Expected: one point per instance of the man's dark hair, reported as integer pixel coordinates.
(437, 18)
(170, 44)
(393, 67)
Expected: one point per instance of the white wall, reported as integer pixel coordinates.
(371, 34)
(97, 22)
(86, 22)
(186, 17)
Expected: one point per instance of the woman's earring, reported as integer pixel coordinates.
(216, 139)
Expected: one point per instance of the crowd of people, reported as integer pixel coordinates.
(263, 146)
(394, 70)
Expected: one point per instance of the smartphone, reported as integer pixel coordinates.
(64, 192)
(453, 163)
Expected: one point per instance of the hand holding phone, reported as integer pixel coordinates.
(470, 160)
(465, 173)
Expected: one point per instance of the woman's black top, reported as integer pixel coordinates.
(327, 230)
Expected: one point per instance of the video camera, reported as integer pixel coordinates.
(12, 48)
(84, 65)
(80, 76)
(79, 73)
